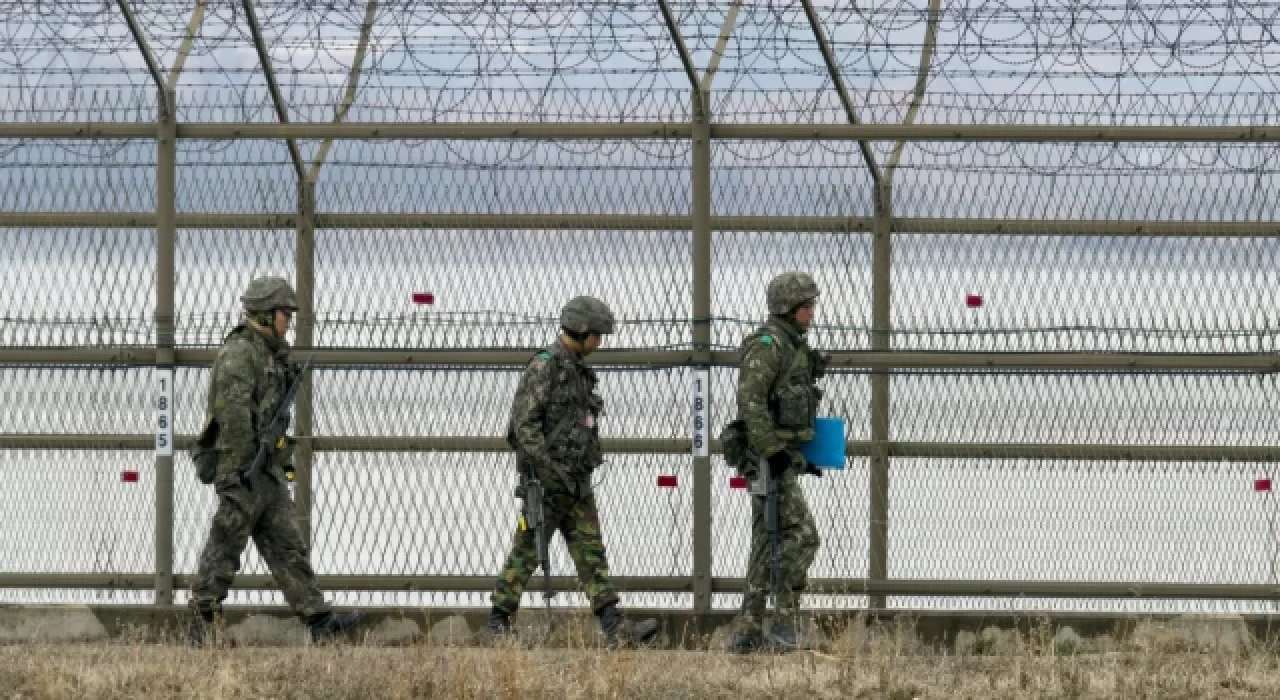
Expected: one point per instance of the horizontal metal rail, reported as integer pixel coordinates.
(681, 584)
(138, 581)
(1075, 452)
(336, 443)
(1045, 360)
(646, 130)
(683, 446)
(352, 130)
(647, 222)
(325, 357)
(658, 359)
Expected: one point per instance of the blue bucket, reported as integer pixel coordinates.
(826, 450)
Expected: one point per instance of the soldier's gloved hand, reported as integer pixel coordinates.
(779, 462)
(551, 473)
(285, 452)
(819, 361)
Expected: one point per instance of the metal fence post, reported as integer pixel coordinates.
(881, 341)
(701, 204)
(303, 458)
(166, 205)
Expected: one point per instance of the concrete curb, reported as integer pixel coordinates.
(274, 626)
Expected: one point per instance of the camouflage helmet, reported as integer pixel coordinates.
(587, 315)
(789, 290)
(268, 294)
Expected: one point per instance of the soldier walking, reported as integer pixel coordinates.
(555, 434)
(777, 401)
(251, 374)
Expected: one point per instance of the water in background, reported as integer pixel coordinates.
(452, 513)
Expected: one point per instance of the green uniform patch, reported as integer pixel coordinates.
(766, 340)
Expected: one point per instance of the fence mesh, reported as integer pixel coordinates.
(998, 247)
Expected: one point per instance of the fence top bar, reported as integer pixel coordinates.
(648, 130)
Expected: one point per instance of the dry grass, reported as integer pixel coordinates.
(880, 671)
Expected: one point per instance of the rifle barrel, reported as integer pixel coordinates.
(273, 431)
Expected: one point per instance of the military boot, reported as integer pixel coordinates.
(748, 642)
(201, 625)
(500, 623)
(325, 627)
(619, 631)
(783, 637)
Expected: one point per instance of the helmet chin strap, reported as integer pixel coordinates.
(264, 321)
(573, 343)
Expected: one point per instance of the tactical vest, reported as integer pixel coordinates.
(570, 418)
(272, 376)
(794, 395)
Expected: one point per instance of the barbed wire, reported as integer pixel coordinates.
(1090, 60)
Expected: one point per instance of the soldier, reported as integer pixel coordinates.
(250, 374)
(553, 430)
(777, 401)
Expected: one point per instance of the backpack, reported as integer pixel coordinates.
(203, 453)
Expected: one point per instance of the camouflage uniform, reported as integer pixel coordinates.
(554, 431)
(250, 374)
(777, 398)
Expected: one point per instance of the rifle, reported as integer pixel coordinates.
(771, 525)
(272, 436)
(534, 517)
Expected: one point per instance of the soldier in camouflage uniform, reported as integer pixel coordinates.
(553, 430)
(250, 374)
(777, 400)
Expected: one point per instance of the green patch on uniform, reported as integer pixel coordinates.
(766, 340)
(544, 355)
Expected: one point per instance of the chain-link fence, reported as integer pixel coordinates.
(1046, 239)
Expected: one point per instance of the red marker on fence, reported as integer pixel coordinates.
(129, 476)
(424, 298)
(737, 482)
(667, 481)
(973, 301)
(1262, 485)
